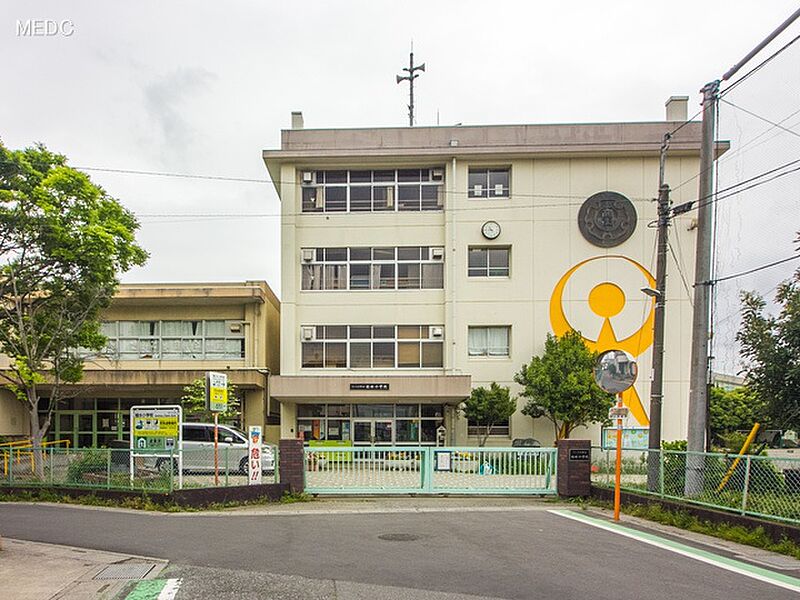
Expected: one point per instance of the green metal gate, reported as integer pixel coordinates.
(430, 470)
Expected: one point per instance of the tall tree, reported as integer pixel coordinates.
(63, 243)
(560, 386)
(770, 345)
(194, 404)
(488, 408)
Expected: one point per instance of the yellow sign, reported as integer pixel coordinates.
(156, 426)
(217, 391)
(606, 299)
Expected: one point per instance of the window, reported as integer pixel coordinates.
(381, 268)
(488, 262)
(374, 191)
(489, 341)
(374, 347)
(333, 421)
(174, 340)
(488, 183)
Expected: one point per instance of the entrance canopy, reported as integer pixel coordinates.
(304, 389)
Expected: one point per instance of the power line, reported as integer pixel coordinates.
(180, 175)
(755, 270)
(758, 66)
(752, 114)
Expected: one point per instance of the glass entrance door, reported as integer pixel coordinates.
(78, 427)
(372, 431)
(362, 433)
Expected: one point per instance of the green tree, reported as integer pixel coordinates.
(734, 410)
(194, 404)
(488, 408)
(770, 345)
(63, 243)
(560, 386)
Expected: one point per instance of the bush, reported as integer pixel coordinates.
(92, 460)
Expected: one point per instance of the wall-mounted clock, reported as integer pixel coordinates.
(490, 230)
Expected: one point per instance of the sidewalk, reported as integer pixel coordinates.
(37, 571)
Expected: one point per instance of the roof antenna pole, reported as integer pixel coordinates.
(412, 75)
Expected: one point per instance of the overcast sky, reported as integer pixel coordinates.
(202, 87)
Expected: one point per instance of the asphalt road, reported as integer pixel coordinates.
(502, 554)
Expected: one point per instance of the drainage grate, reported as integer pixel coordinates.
(398, 537)
(125, 571)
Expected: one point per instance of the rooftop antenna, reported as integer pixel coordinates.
(412, 75)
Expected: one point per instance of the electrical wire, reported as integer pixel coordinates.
(754, 270)
(752, 114)
(758, 67)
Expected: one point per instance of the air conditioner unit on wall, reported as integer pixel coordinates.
(437, 174)
(437, 253)
(308, 177)
(437, 332)
(307, 333)
(308, 254)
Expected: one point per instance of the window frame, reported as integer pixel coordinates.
(486, 353)
(388, 344)
(397, 186)
(314, 274)
(486, 272)
(489, 191)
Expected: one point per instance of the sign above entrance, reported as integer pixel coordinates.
(370, 387)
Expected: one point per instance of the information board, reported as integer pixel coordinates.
(216, 392)
(633, 438)
(156, 431)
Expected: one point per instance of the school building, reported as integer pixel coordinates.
(418, 263)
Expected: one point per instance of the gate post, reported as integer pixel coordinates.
(574, 468)
(291, 464)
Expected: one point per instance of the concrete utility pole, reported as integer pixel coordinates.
(698, 378)
(660, 295)
(412, 75)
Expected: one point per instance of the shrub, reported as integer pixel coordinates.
(92, 460)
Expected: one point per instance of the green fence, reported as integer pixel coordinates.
(116, 469)
(430, 470)
(760, 486)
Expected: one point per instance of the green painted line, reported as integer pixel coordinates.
(147, 590)
(729, 564)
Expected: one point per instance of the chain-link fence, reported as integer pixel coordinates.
(755, 485)
(117, 469)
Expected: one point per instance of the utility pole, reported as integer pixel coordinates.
(660, 295)
(412, 75)
(698, 377)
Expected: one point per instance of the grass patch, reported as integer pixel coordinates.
(682, 519)
(143, 502)
(292, 497)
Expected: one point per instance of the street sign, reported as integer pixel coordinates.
(254, 455)
(618, 412)
(216, 392)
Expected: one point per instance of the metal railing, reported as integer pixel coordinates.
(433, 470)
(760, 486)
(24, 449)
(117, 469)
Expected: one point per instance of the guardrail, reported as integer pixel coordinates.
(431, 470)
(760, 486)
(115, 469)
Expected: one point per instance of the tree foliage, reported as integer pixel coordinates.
(560, 386)
(63, 242)
(193, 402)
(489, 407)
(735, 410)
(770, 345)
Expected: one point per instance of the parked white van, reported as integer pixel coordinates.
(198, 450)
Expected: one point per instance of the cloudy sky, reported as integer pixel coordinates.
(202, 87)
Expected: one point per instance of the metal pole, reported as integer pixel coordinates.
(698, 378)
(732, 71)
(618, 468)
(216, 448)
(411, 89)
